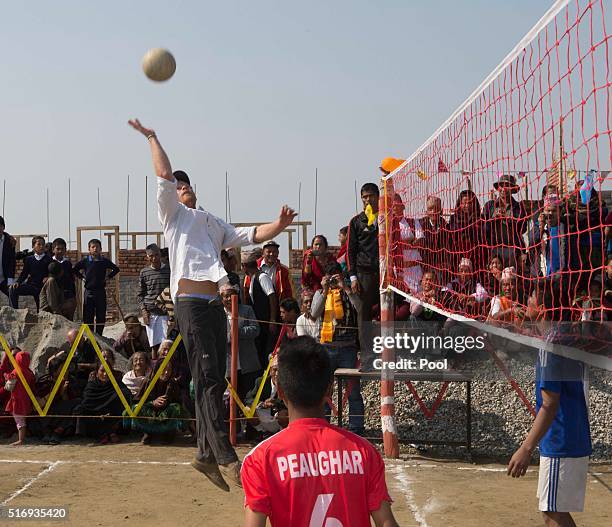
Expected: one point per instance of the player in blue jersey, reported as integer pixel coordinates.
(561, 427)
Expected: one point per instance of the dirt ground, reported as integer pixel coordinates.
(130, 484)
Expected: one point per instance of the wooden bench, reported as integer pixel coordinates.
(348, 374)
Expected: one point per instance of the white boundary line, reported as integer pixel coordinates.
(522, 44)
(50, 468)
(406, 489)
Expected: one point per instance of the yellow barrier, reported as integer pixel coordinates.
(249, 413)
(85, 329)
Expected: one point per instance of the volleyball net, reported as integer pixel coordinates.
(508, 196)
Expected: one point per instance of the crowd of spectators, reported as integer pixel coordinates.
(480, 261)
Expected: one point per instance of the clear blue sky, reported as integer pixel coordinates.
(265, 90)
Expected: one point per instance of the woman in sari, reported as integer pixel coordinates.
(162, 408)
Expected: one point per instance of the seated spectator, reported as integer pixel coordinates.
(85, 357)
(67, 398)
(607, 289)
(249, 367)
(431, 294)
(163, 404)
(492, 278)
(260, 295)
(314, 262)
(101, 399)
(504, 221)
(19, 403)
(407, 233)
(33, 275)
(506, 307)
(7, 259)
(271, 414)
(335, 305)
(52, 292)
(465, 294)
(67, 279)
(135, 377)
(153, 280)
(289, 313)
(553, 235)
(466, 231)
(180, 371)
(343, 241)
(306, 324)
(133, 339)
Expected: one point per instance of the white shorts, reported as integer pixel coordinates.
(157, 329)
(562, 483)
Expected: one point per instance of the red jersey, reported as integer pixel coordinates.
(314, 474)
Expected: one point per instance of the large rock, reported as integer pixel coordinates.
(42, 335)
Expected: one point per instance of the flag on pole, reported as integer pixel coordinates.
(441, 166)
(421, 174)
(587, 187)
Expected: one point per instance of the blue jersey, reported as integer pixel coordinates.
(569, 434)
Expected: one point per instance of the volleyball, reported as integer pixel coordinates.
(158, 64)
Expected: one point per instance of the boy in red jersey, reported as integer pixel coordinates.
(313, 474)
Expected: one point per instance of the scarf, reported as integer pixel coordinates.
(370, 215)
(333, 310)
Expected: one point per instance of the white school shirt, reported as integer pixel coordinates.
(195, 238)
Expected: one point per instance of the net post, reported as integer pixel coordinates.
(234, 369)
(387, 401)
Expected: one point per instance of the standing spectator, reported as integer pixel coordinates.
(505, 221)
(67, 279)
(406, 233)
(306, 324)
(434, 244)
(278, 273)
(314, 262)
(133, 339)
(363, 267)
(228, 259)
(153, 280)
(261, 297)
(343, 241)
(466, 231)
(249, 367)
(52, 292)
(97, 269)
(7, 259)
(335, 306)
(33, 275)
(553, 235)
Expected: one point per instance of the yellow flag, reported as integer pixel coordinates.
(370, 215)
(421, 174)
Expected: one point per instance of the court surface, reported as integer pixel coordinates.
(131, 484)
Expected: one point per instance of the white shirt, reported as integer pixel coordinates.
(407, 234)
(266, 284)
(1, 247)
(195, 238)
(307, 326)
(270, 270)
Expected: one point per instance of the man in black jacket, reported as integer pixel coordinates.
(7, 259)
(363, 266)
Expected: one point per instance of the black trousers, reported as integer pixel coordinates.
(203, 328)
(4, 287)
(94, 306)
(369, 296)
(24, 289)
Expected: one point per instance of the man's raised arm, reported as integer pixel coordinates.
(160, 159)
(270, 230)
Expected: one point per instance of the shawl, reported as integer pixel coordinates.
(333, 311)
(311, 277)
(133, 383)
(101, 398)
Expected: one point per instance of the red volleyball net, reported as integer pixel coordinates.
(508, 196)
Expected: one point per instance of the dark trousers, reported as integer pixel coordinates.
(369, 296)
(203, 328)
(24, 289)
(94, 306)
(346, 357)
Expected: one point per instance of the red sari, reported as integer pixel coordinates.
(312, 280)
